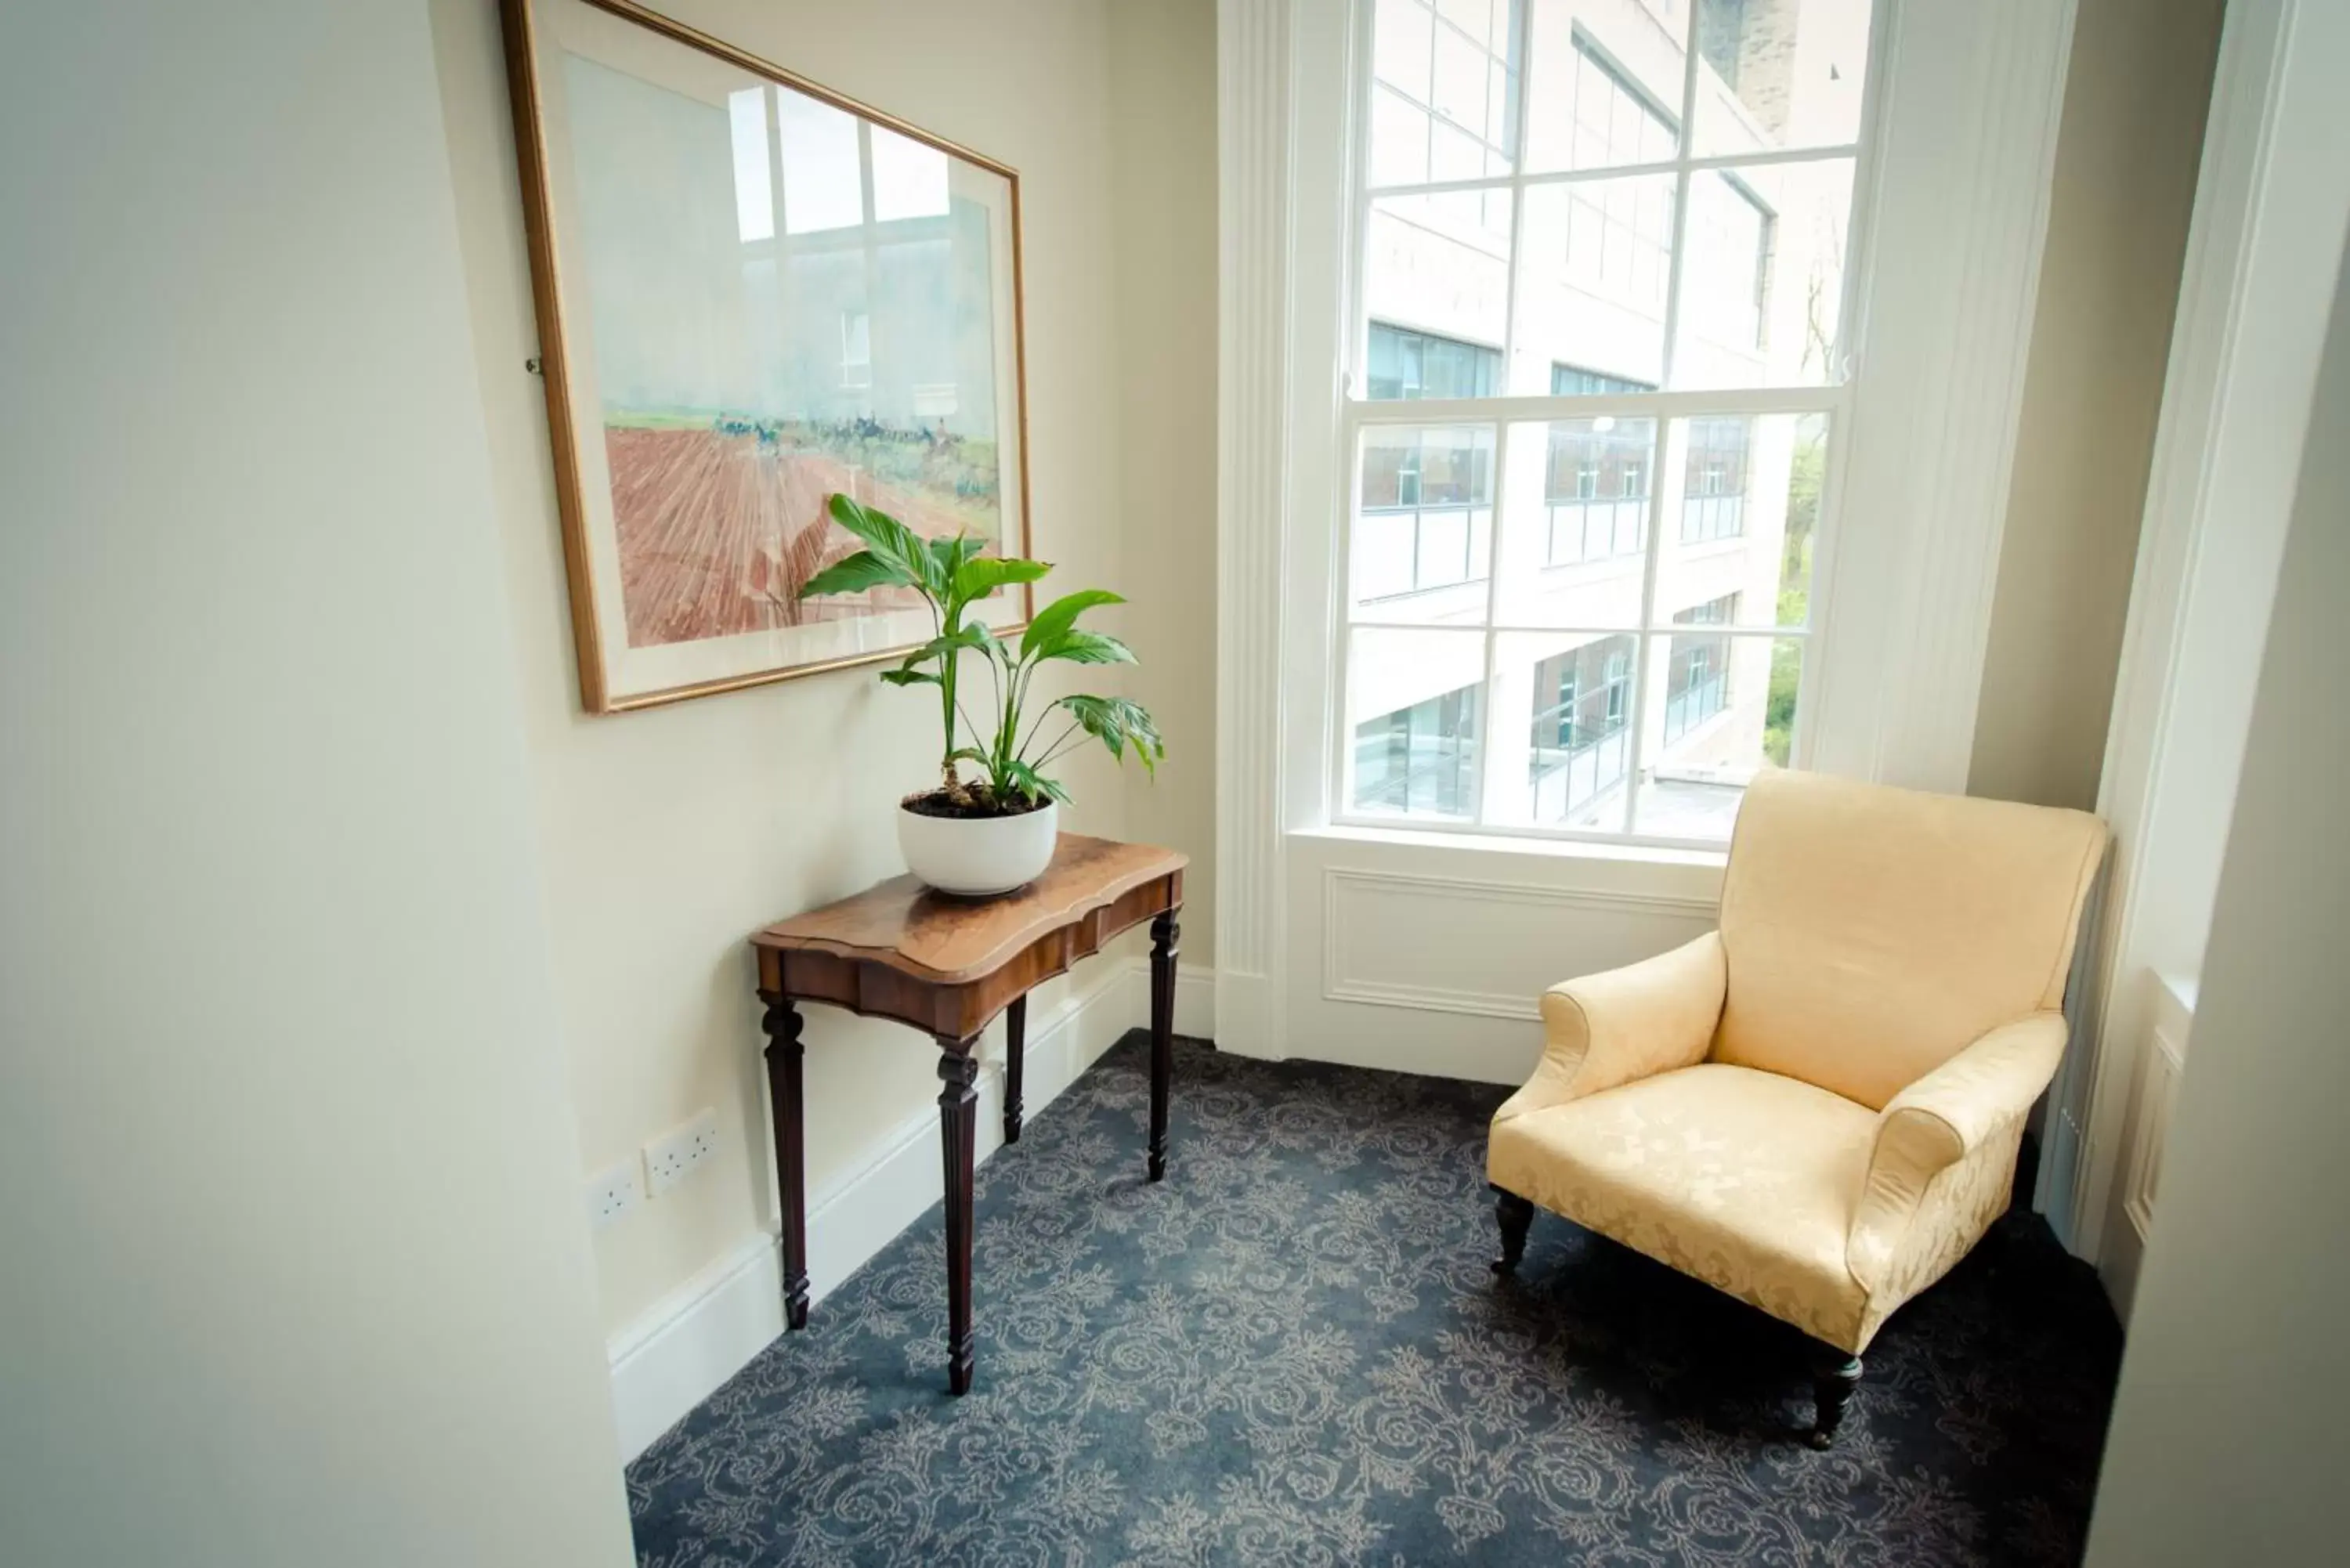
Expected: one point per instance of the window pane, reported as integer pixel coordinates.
(1604, 89)
(1454, 154)
(1402, 45)
(1474, 20)
(1398, 139)
(1439, 266)
(1413, 703)
(1401, 363)
(1596, 259)
(1445, 94)
(1763, 284)
(1723, 710)
(1422, 545)
(1746, 519)
(1562, 741)
(1460, 78)
(1577, 500)
(1787, 74)
(1536, 606)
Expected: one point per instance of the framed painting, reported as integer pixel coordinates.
(752, 293)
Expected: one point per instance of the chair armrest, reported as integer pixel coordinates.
(1961, 1107)
(1611, 1028)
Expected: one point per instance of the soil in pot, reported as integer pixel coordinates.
(970, 802)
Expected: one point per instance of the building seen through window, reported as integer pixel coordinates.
(1696, 668)
(1598, 492)
(1425, 512)
(1420, 758)
(1407, 364)
(1578, 749)
(1713, 497)
(1530, 568)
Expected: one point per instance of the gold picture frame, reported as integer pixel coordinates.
(704, 366)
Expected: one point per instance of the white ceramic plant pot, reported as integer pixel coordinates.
(976, 857)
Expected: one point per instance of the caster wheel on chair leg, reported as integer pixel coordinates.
(1833, 1382)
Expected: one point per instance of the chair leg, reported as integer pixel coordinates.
(1516, 1215)
(1835, 1376)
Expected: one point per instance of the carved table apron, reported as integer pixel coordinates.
(946, 966)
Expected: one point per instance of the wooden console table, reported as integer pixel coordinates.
(946, 966)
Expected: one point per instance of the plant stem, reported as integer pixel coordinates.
(968, 723)
(1042, 714)
(1041, 763)
(949, 664)
(1056, 740)
(995, 680)
(1009, 731)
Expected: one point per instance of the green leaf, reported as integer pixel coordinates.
(948, 555)
(854, 574)
(893, 542)
(1085, 647)
(1035, 785)
(1118, 722)
(982, 575)
(988, 643)
(910, 678)
(1055, 619)
(943, 646)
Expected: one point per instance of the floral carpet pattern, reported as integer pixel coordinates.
(1294, 1351)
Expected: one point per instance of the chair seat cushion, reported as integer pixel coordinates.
(1740, 1177)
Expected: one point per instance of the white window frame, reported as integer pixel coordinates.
(1969, 102)
(1668, 409)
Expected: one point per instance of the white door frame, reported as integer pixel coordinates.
(2264, 248)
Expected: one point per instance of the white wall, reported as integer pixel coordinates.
(670, 834)
(293, 1269)
(2135, 97)
(1163, 65)
(2226, 1438)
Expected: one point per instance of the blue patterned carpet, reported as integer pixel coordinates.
(1292, 1352)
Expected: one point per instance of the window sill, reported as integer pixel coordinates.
(1507, 844)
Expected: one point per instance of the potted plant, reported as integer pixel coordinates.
(995, 832)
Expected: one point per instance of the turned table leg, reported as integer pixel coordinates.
(1015, 1045)
(783, 1025)
(958, 1119)
(1165, 933)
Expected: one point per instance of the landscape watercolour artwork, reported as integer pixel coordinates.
(758, 295)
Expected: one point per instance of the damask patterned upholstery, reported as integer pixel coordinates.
(1816, 1107)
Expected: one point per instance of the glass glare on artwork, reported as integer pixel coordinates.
(785, 300)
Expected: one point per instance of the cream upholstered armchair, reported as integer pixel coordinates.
(1817, 1106)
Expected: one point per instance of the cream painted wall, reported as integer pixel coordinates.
(669, 835)
(1162, 64)
(2226, 1438)
(2123, 186)
(293, 1267)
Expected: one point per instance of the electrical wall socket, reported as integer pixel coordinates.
(670, 1157)
(612, 1194)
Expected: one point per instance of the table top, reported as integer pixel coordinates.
(938, 937)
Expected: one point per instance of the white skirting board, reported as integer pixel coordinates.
(681, 1350)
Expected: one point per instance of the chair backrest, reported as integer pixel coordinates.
(1873, 933)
